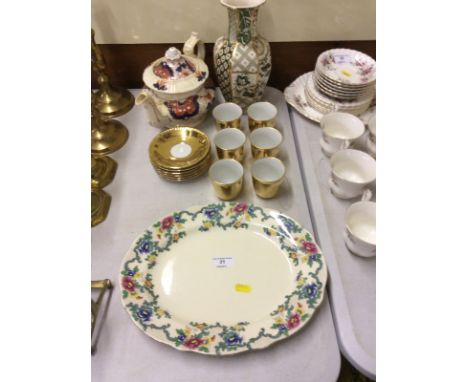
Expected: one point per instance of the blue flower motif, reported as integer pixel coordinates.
(311, 290)
(130, 273)
(288, 225)
(144, 314)
(181, 337)
(177, 218)
(211, 212)
(201, 76)
(282, 328)
(144, 247)
(233, 339)
(160, 86)
(181, 67)
(251, 211)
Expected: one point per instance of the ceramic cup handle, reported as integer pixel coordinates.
(345, 144)
(192, 43)
(366, 195)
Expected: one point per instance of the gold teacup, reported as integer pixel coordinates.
(227, 177)
(261, 114)
(227, 115)
(267, 176)
(265, 142)
(230, 144)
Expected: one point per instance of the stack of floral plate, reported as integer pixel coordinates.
(180, 153)
(344, 80)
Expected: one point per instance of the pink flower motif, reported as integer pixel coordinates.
(241, 207)
(167, 222)
(128, 284)
(193, 343)
(310, 247)
(294, 321)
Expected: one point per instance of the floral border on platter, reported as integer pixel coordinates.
(141, 301)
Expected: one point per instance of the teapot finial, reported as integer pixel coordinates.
(172, 54)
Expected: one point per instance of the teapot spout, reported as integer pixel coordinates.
(156, 114)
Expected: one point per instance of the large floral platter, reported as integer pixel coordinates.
(223, 278)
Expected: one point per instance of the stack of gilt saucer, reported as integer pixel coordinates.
(180, 153)
(343, 80)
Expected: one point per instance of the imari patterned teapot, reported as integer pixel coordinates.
(174, 92)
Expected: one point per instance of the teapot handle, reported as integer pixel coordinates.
(193, 42)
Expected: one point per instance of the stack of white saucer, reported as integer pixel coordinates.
(343, 80)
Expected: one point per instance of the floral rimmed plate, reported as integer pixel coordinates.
(347, 66)
(223, 278)
(295, 96)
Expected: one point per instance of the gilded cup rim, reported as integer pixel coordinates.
(269, 181)
(266, 148)
(226, 120)
(237, 164)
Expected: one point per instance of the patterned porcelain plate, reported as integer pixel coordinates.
(315, 92)
(347, 66)
(339, 94)
(317, 104)
(223, 278)
(295, 96)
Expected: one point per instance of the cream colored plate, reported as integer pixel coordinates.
(223, 278)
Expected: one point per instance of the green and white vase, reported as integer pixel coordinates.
(242, 59)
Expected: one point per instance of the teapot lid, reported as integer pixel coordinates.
(175, 73)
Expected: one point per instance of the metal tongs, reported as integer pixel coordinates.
(103, 286)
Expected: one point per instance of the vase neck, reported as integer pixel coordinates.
(242, 24)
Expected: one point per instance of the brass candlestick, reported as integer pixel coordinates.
(111, 100)
(100, 204)
(103, 170)
(107, 136)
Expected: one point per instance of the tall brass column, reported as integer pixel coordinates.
(111, 101)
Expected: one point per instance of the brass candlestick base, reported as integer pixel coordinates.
(113, 102)
(100, 204)
(103, 170)
(108, 137)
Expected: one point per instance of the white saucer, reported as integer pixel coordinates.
(327, 149)
(371, 147)
(339, 193)
(350, 245)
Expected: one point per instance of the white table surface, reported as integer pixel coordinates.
(352, 278)
(139, 197)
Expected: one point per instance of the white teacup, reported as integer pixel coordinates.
(352, 172)
(339, 131)
(360, 231)
(371, 137)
